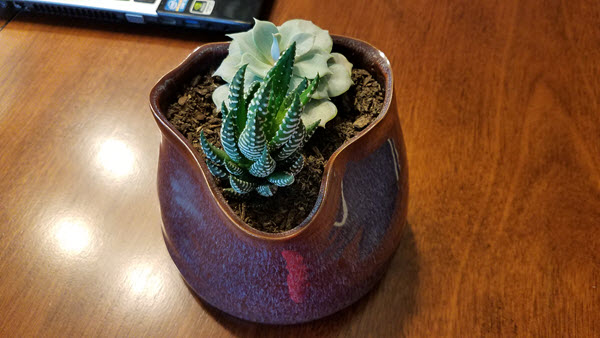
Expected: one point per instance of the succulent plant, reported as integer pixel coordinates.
(262, 134)
(259, 48)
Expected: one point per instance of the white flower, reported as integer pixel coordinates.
(259, 47)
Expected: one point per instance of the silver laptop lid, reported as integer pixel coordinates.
(218, 15)
(148, 7)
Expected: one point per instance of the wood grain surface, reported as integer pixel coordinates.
(500, 105)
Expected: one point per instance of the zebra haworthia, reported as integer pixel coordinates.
(261, 131)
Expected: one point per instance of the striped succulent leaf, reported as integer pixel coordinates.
(296, 161)
(242, 114)
(216, 169)
(304, 90)
(264, 166)
(310, 90)
(233, 168)
(262, 132)
(249, 96)
(236, 91)
(281, 179)
(252, 139)
(287, 101)
(228, 134)
(260, 102)
(288, 125)
(213, 153)
(294, 143)
(266, 190)
(310, 130)
(280, 76)
(241, 186)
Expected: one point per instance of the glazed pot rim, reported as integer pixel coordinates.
(324, 190)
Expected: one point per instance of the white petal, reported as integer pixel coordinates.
(312, 64)
(321, 91)
(304, 43)
(228, 67)
(294, 82)
(321, 40)
(255, 66)
(245, 41)
(219, 95)
(339, 81)
(337, 58)
(262, 34)
(249, 79)
(315, 110)
(234, 48)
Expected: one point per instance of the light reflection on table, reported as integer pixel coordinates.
(72, 236)
(116, 158)
(143, 279)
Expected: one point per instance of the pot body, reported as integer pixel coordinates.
(326, 263)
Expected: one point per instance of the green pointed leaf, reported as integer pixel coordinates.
(252, 140)
(282, 67)
(231, 192)
(288, 125)
(241, 119)
(294, 143)
(310, 130)
(241, 186)
(279, 77)
(259, 103)
(295, 163)
(213, 153)
(236, 92)
(299, 89)
(266, 190)
(264, 166)
(308, 92)
(228, 136)
(281, 179)
(215, 169)
(287, 102)
(233, 168)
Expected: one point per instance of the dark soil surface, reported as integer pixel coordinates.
(359, 106)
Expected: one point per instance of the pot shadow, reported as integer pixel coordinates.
(390, 303)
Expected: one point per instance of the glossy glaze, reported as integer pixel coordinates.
(326, 263)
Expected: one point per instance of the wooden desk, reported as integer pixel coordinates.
(500, 104)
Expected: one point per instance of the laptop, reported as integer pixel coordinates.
(217, 15)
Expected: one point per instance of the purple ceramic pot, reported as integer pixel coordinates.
(326, 263)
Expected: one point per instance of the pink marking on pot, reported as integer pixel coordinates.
(297, 278)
